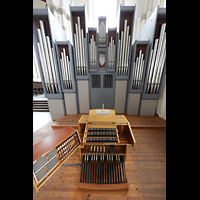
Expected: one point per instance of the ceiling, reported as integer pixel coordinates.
(60, 9)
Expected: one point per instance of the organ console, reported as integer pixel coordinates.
(102, 139)
(106, 137)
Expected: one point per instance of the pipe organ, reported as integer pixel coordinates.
(102, 60)
(102, 139)
(102, 63)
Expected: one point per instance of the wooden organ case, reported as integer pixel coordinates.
(102, 139)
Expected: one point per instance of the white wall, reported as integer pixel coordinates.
(60, 10)
(37, 4)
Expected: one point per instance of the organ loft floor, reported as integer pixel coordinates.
(145, 164)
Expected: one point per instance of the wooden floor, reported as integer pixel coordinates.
(135, 121)
(145, 165)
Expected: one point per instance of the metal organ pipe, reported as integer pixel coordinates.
(141, 73)
(124, 43)
(138, 71)
(92, 53)
(111, 54)
(77, 48)
(156, 64)
(123, 51)
(80, 49)
(80, 43)
(66, 70)
(139, 65)
(148, 73)
(110, 59)
(43, 68)
(52, 63)
(118, 53)
(83, 52)
(64, 77)
(102, 33)
(92, 59)
(152, 64)
(134, 73)
(65, 67)
(161, 65)
(43, 58)
(62, 70)
(69, 71)
(157, 57)
(76, 52)
(47, 57)
(127, 54)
